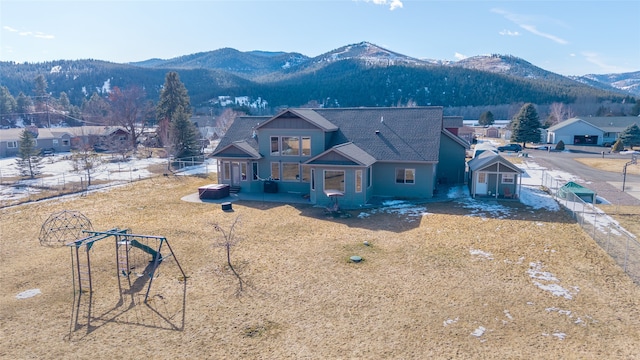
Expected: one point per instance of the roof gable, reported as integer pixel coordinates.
(569, 122)
(307, 116)
(241, 130)
(488, 159)
(238, 149)
(345, 154)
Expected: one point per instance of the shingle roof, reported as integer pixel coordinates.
(488, 158)
(242, 129)
(389, 134)
(349, 151)
(614, 123)
(309, 115)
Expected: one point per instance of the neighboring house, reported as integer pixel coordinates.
(356, 153)
(590, 130)
(57, 139)
(492, 176)
(66, 139)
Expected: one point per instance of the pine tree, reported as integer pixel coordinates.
(173, 112)
(184, 136)
(526, 125)
(29, 158)
(631, 136)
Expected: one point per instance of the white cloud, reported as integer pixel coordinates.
(460, 56)
(393, 4)
(509, 33)
(532, 29)
(596, 59)
(37, 34)
(525, 22)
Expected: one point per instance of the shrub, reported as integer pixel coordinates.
(617, 146)
(560, 145)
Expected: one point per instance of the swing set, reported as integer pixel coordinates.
(128, 261)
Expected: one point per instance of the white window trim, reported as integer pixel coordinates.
(508, 178)
(404, 179)
(12, 144)
(358, 178)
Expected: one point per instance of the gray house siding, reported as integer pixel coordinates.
(451, 162)
(385, 185)
(574, 133)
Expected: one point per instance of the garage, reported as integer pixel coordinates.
(585, 139)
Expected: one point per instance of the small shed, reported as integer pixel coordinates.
(492, 176)
(585, 194)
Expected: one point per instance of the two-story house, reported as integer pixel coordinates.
(356, 153)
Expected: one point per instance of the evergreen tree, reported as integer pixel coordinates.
(29, 158)
(184, 136)
(8, 107)
(24, 108)
(486, 118)
(526, 125)
(173, 113)
(635, 110)
(631, 136)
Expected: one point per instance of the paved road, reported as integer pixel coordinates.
(606, 184)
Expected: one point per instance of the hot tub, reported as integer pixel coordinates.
(213, 191)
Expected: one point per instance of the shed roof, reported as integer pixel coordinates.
(489, 158)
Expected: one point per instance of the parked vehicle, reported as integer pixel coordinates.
(48, 152)
(510, 147)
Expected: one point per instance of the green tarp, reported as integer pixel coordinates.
(587, 195)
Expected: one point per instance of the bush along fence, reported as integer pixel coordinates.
(621, 245)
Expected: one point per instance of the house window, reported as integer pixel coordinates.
(508, 178)
(12, 144)
(290, 171)
(482, 178)
(306, 146)
(369, 177)
(290, 146)
(226, 170)
(65, 142)
(243, 171)
(55, 142)
(334, 180)
(255, 171)
(405, 176)
(358, 181)
(275, 171)
(313, 179)
(275, 150)
(306, 173)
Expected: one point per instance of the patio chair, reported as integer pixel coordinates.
(507, 193)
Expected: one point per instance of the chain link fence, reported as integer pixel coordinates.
(621, 245)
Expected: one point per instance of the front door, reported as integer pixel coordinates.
(235, 174)
(482, 183)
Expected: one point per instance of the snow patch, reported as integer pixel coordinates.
(27, 294)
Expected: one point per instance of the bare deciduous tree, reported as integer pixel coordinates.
(131, 110)
(229, 240)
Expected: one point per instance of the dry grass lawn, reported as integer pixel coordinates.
(612, 165)
(443, 285)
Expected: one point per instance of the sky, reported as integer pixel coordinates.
(568, 37)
